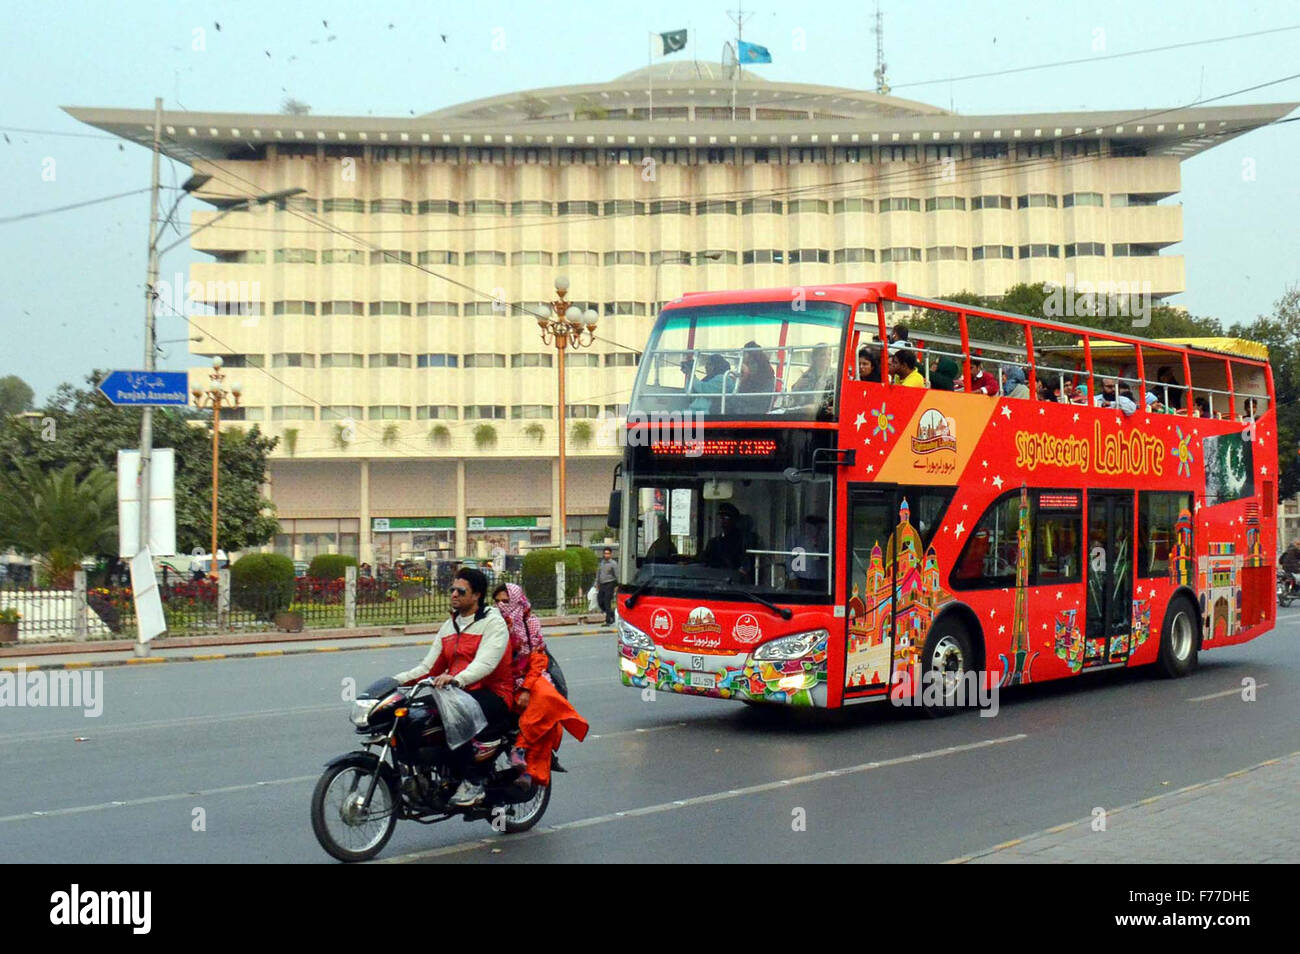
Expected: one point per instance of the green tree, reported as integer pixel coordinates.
(88, 431)
(15, 395)
(1280, 333)
(58, 516)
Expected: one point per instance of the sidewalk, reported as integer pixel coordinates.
(1245, 817)
(99, 654)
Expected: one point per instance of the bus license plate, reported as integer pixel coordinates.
(703, 680)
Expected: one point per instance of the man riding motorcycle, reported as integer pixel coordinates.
(470, 652)
(1290, 562)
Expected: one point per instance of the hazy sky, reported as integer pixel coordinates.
(74, 279)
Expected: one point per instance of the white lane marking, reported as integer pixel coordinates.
(154, 799)
(93, 730)
(1225, 692)
(653, 728)
(706, 799)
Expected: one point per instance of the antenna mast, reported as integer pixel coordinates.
(737, 17)
(882, 87)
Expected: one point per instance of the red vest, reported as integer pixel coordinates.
(458, 650)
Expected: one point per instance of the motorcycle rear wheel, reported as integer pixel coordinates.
(522, 816)
(341, 829)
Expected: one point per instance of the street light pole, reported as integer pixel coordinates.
(686, 258)
(215, 397)
(151, 279)
(565, 331)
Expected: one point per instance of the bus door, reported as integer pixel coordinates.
(1110, 577)
(872, 519)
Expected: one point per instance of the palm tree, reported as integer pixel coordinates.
(58, 517)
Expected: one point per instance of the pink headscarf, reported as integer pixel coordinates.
(525, 630)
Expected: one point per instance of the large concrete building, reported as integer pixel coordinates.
(387, 322)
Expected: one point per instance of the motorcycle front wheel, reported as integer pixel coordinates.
(343, 829)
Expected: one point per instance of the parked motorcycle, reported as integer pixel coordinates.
(1287, 588)
(361, 795)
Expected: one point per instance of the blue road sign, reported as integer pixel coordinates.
(140, 388)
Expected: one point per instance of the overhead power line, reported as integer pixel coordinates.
(1094, 59)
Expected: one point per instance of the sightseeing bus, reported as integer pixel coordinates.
(798, 528)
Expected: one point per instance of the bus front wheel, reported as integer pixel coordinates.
(1178, 639)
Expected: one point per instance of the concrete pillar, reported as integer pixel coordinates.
(350, 597)
(462, 522)
(560, 570)
(367, 550)
(223, 600)
(80, 608)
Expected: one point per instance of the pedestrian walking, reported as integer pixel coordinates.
(606, 583)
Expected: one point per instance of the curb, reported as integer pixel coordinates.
(1140, 803)
(215, 657)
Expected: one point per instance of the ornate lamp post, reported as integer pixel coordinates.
(565, 330)
(216, 397)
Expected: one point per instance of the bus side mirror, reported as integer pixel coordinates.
(794, 475)
(615, 518)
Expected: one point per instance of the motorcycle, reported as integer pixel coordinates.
(1287, 588)
(361, 795)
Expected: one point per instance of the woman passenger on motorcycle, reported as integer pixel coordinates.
(542, 711)
(470, 652)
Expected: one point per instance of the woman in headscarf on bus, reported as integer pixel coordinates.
(756, 378)
(945, 374)
(543, 712)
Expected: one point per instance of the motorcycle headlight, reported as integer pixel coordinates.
(791, 647)
(629, 635)
(360, 713)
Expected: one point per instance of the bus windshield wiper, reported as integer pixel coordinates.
(778, 610)
(636, 594)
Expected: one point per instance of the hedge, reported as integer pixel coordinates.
(330, 566)
(263, 583)
(539, 574)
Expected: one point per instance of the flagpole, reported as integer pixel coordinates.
(650, 75)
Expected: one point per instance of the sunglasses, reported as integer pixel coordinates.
(459, 590)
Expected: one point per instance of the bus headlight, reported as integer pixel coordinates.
(791, 647)
(629, 635)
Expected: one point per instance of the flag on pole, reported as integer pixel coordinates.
(673, 41)
(753, 53)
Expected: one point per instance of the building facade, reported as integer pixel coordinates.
(385, 317)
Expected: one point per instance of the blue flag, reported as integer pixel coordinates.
(753, 53)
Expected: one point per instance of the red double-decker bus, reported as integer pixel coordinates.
(1039, 500)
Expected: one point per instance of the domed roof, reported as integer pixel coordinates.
(675, 84)
(689, 70)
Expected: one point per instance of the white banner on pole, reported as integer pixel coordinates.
(162, 506)
(150, 621)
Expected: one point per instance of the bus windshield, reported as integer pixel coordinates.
(708, 533)
(744, 361)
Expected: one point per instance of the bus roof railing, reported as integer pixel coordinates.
(1210, 346)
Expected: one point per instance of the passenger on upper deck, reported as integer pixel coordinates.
(868, 364)
(1014, 383)
(1168, 392)
(981, 381)
(903, 365)
(808, 389)
(1110, 396)
(756, 378)
(945, 374)
(716, 376)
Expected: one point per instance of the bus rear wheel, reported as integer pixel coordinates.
(946, 661)
(1178, 639)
